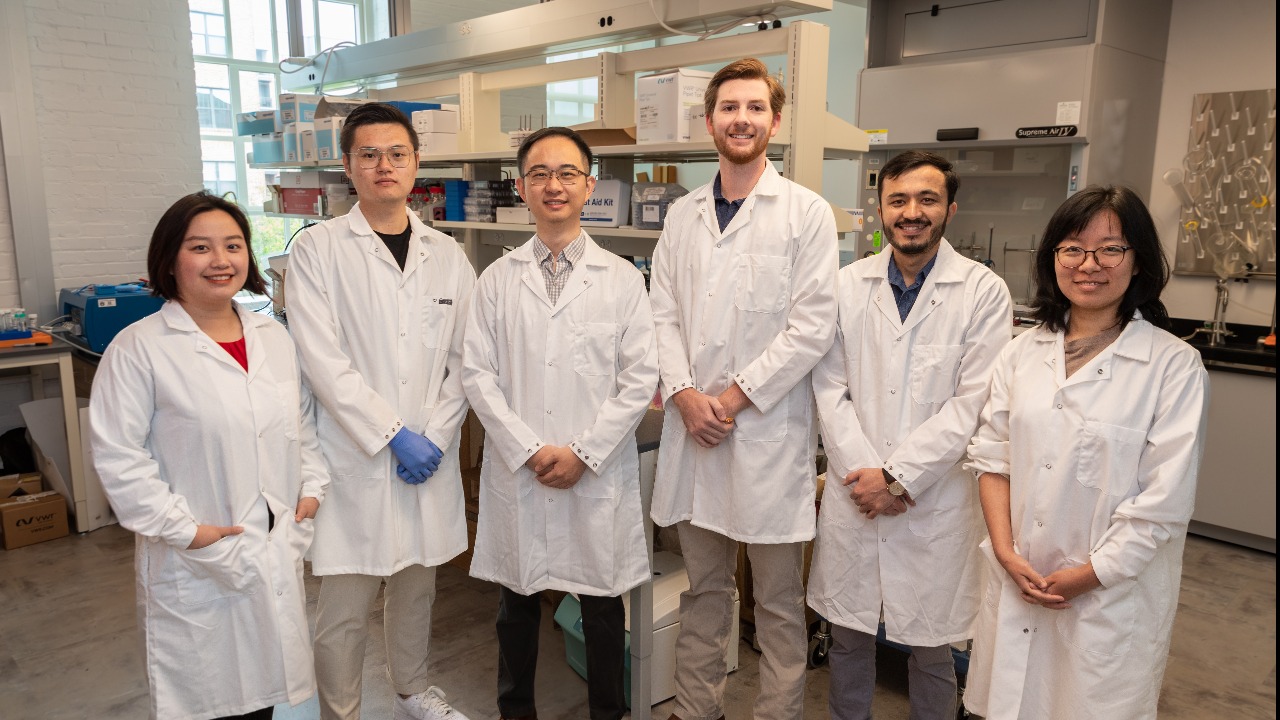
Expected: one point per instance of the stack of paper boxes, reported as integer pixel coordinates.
(437, 130)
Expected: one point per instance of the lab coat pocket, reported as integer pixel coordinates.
(437, 324)
(934, 369)
(1109, 458)
(1101, 621)
(220, 570)
(764, 283)
(595, 348)
(751, 425)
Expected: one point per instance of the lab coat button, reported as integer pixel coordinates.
(892, 391)
(279, 593)
(404, 382)
(1100, 371)
(1039, 524)
(888, 443)
(1026, 630)
(884, 539)
(551, 363)
(1048, 466)
(548, 411)
(1059, 406)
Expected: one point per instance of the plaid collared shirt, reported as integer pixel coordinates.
(570, 256)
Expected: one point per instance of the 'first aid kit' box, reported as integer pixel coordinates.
(608, 206)
(664, 102)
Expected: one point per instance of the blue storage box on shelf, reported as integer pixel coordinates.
(455, 195)
(409, 107)
(258, 122)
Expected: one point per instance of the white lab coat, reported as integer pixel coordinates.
(382, 349)
(755, 305)
(580, 374)
(905, 396)
(182, 435)
(1102, 467)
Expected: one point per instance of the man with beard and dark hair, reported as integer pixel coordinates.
(744, 304)
(899, 394)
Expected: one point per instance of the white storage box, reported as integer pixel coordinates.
(608, 206)
(663, 103)
(436, 143)
(315, 179)
(435, 121)
(328, 139)
(293, 140)
(518, 215)
(295, 107)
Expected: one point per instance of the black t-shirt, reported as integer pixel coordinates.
(398, 244)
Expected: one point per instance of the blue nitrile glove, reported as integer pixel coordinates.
(418, 456)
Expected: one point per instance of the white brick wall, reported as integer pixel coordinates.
(114, 92)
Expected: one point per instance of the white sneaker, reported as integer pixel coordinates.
(429, 705)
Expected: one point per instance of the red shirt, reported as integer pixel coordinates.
(237, 351)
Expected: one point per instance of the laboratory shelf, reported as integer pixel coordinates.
(621, 232)
(288, 216)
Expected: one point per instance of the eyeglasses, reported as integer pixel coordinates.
(566, 176)
(368, 158)
(1109, 256)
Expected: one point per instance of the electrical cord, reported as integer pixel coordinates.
(300, 64)
(761, 19)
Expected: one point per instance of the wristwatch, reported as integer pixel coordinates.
(895, 488)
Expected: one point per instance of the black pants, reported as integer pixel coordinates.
(263, 714)
(603, 624)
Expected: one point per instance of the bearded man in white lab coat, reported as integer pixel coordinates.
(375, 302)
(899, 396)
(560, 367)
(743, 294)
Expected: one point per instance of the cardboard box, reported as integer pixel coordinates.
(328, 139)
(312, 179)
(435, 121)
(32, 519)
(608, 206)
(597, 136)
(296, 107)
(663, 103)
(301, 201)
(258, 122)
(268, 148)
(47, 433)
(19, 485)
(330, 107)
(437, 143)
(293, 140)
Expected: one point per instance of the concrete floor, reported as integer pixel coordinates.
(68, 644)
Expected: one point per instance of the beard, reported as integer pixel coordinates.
(916, 247)
(738, 155)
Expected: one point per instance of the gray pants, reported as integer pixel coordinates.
(931, 678)
(342, 628)
(706, 613)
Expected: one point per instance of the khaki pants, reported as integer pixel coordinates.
(706, 612)
(342, 629)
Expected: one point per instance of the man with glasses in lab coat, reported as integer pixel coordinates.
(560, 367)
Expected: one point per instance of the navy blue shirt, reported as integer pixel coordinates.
(905, 296)
(725, 209)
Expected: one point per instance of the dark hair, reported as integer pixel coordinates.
(375, 114)
(166, 241)
(905, 162)
(527, 145)
(744, 69)
(1050, 306)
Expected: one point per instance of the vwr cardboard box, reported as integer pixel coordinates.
(19, 485)
(30, 519)
(664, 102)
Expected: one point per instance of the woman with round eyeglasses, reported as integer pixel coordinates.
(205, 441)
(1086, 459)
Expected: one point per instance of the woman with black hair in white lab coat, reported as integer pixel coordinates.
(205, 441)
(1087, 456)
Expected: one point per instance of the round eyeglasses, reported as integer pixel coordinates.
(1108, 256)
(566, 176)
(368, 158)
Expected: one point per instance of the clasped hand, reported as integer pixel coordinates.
(418, 457)
(871, 494)
(556, 466)
(1053, 591)
(709, 419)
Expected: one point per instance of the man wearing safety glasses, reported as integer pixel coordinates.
(560, 365)
(376, 301)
